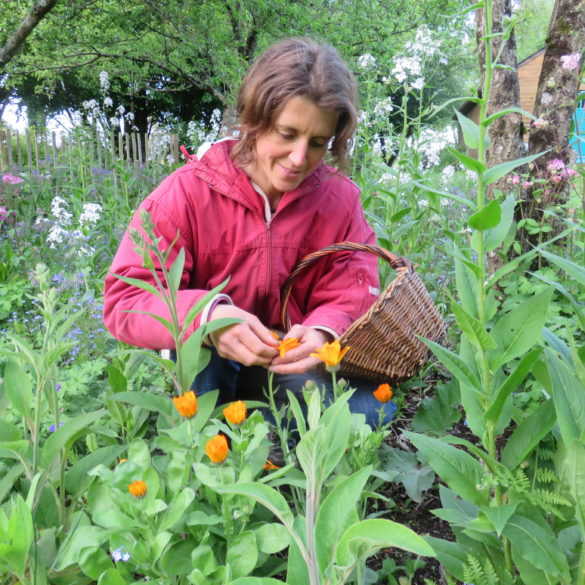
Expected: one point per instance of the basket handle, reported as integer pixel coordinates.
(394, 261)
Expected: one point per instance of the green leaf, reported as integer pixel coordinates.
(364, 538)
(569, 399)
(264, 495)
(461, 200)
(487, 217)
(176, 271)
(499, 515)
(255, 581)
(336, 513)
(176, 509)
(450, 554)
(466, 282)
(437, 414)
(472, 328)
(9, 479)
(67, 434)
(497, 172)
(469, 163)
(76, 477)
(528, 434)
(511, 384)
(536, 544)
(454, 364)
(574, 476)
(112, 577)
(574, 270)
(18, 388)
(519, 329)
(457, 468)
(470, 129)
(242, 554)
(95, 561)
(139, 284)
(494, 237)
(271, 537)
(489, 120)
(145, 400)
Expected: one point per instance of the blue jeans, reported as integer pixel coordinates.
(237, 382)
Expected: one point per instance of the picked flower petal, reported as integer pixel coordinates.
(331, 353)
(286, 345)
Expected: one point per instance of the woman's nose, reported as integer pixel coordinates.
(298, 154)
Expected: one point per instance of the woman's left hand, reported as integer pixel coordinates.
(298, 360)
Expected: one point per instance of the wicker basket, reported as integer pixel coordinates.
(383, 342)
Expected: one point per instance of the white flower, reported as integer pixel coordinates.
(57, 235)
(384, 107)
(405, 67)
(89, 104)
(367, 61)
(104, 81)
(418, 83)
(90, 214)
(61, 215)
(546, 98)
(120, 110)
(119, 555)
(114, 121)
(108, 102)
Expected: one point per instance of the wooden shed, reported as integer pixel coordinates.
(528, 76)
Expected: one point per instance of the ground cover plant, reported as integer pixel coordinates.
(113, 472)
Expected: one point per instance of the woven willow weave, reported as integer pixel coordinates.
(383, 342)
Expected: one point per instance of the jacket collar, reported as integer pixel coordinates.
(217, 169)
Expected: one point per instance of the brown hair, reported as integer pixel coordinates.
(296, 67)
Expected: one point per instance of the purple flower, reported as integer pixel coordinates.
(570, 62)
(53, 428)
(12, 179)
(555, 165)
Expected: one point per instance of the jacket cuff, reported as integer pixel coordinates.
(328, 330)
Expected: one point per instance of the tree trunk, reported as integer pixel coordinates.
(505, 134)
(556, 96)
(38, 11)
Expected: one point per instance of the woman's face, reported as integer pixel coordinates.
(296, 144)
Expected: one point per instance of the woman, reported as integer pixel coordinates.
(250, 209)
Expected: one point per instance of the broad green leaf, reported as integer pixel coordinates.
(457, 468)
(364, 538)
(499, 515)
(76, 477)
(497, 172)
(18, 388)
(461, 200)
(336, 513)
(466, 284)
(450, 554)
(469, 163)
(68, 433)
(495, 237)
(145, 400)
(271, 537)
(164, 322)
(8, 431)
(519, 329)
(112, 577)
(511, 384)
(255, 581)
(297, 573)
(176, 509)
(528, 434)
(19, 535)
(569, 399)
(574, 475)
(297, 413)
(473, 328)
(536, 544)
(454, 364)
(200, 305)
(577, 308)
(574, 270)
(242, 554)
(487, 217)
(95, 561)
(437, 414)
(470, 129)
(264, 495)
(78, 539)
(9, 479)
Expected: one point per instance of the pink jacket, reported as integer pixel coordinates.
(226, 231)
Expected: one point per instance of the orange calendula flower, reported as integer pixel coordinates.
(286, 345)
(269, 465)
(331, 353)
(235, 412)
(122, 461)
(383, 393)
(217, 449)
(186, 404)
(137, 488)
(275, 335)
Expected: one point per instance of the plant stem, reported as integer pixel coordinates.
(581, 570)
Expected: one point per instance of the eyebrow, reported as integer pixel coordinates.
(293, 129)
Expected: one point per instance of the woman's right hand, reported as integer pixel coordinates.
(247, 342)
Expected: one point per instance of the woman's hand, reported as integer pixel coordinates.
(298, 360)
(248, 342)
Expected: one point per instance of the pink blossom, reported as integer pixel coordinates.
(571, 173)
(12, 179)
(555, 165)
(539, 123)
(527, 184)
(3, 213)
(515, 180)
(556, 178)
(570, 62)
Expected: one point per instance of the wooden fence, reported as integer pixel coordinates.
(31, 150)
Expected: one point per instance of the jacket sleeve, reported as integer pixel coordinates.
(121, 299)
(349, 283)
